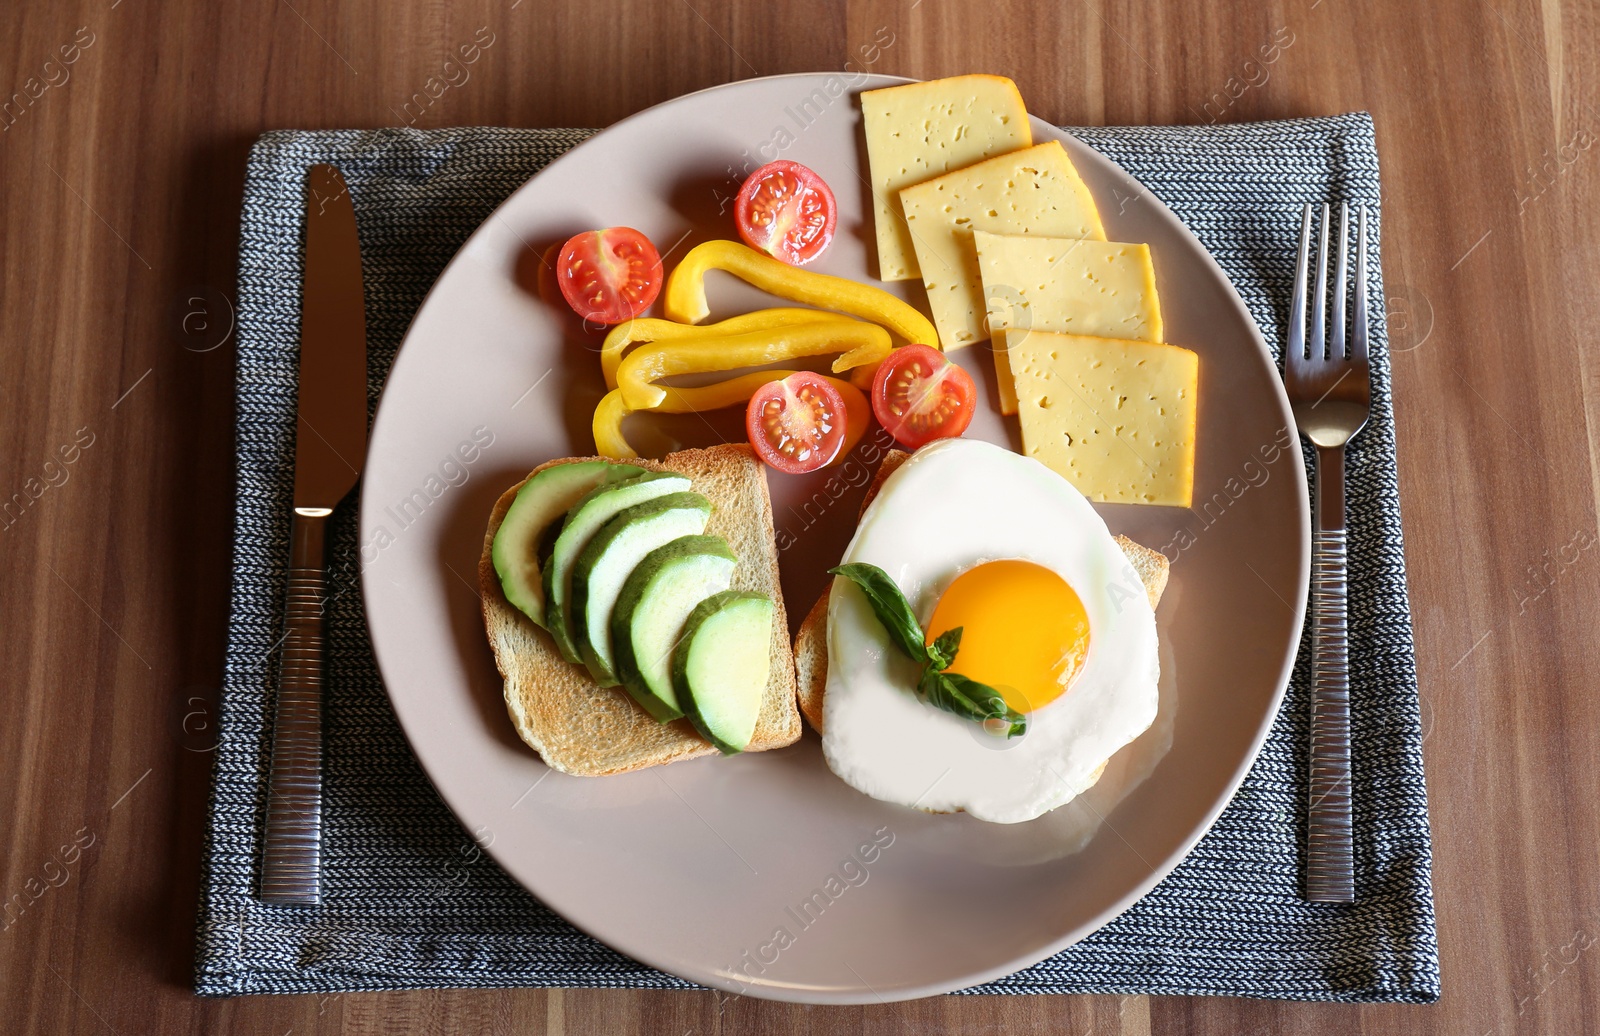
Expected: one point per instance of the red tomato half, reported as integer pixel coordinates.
(797, 424)
(608, 276)
(787, 211)
(919, 396)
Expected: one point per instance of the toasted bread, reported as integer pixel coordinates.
(811, 642)
(581, 728)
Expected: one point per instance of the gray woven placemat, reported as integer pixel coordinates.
(411, 903)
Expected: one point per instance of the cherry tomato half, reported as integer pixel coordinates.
(797, 424)
(918, 395)
(787, 211)
(608, 276)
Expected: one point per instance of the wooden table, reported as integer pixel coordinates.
(121, 169)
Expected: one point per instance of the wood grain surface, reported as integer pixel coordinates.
(122, 149)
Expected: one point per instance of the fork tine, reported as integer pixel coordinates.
(1320, 303)
(1340, 286)
(1297, 306)
(1358, 343)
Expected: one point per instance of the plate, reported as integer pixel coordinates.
(764, 874)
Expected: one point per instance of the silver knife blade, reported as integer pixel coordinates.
(331, 437)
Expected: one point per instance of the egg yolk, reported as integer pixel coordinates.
(1024, 630)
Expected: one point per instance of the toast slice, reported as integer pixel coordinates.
(811, 642)
(581, 728)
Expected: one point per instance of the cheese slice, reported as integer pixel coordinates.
(921, 130)
(1115, 418)
(1034, 191)
(1095, 288)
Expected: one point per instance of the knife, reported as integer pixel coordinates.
(330, 445)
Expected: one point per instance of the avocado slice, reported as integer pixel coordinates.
(538, 506)
(583, 520)
(721, 666)
(610, 557)
(650, 611)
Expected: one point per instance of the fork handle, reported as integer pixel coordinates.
(1330, 868)
(292, 858)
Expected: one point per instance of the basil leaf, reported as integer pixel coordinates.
(943, 694)
(989, 702)
(950, 692)
(969, 699)
(889, 605)
(942, 652)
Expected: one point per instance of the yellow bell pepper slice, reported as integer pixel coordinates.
(608, 416)
(857, 413)
(685, 297)
(608, 437)
(860, 343)
(654, 329)
(863, 376)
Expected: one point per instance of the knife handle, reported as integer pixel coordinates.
(291, 863)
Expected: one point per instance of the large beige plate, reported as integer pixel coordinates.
(749, 873)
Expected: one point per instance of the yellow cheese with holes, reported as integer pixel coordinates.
(1116, 418)
(1098, 288)
(1034, 191)
(922, 130)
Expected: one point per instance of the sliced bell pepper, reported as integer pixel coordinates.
(860, 343)
(653, 329)
(685, 297)
(609, 415)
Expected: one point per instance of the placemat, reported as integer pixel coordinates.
(410, 901)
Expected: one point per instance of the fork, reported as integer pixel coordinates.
(1330, 396)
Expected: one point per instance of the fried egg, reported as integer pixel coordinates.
(1053, 616)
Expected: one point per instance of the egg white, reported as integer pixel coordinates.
(955, 504)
